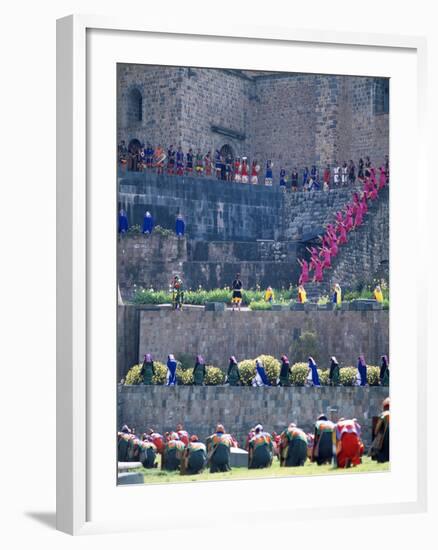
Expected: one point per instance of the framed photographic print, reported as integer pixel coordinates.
(233, 281)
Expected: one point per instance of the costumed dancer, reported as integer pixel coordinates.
(326, 178)
(361, 379)
(173, 453)
(199, 371)
(149, 156)
(147, 453)
(159, 158)
(378, 294)
(294, 180)
(319, 269)
(268, 176)
(218, 164)
(269, 295)
(189, 162)
(237, 292)
(207, 164)
(348, 447)
(171, 160)
(302, 295)
(179, 162)
(244, 170)
(147, 370)
(182, 434)
(379, 450)
(326, 254)
(260, 449)
(293, 446)
(313, 376)
(199, 167)
(180, 226)
(367, 167)
(304, 277)
(314, 172)
(255, 169)
(218, 450)
(344, 173)
(283, 181)
(123, 222)
(336, 174)
(337, 294)
(148, 223)
(237, 170)
(384, 371)
(382, 177)
(305, 177)
(229, 167)
(171, 371)
(194, 458)
(233, 374)
(334, 372)
(261, 378)
(285, 371)
(322, 451)
(177, 293)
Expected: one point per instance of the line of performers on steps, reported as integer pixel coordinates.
(233, 377)
(338, 443)
(350, 218)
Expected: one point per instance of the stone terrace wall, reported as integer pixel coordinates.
(217, 335)
(199, 409)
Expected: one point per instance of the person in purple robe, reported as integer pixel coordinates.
(180, 226)
(123, 222)
(148, 223)
(171, 371)
(313, 376)
(361, 371)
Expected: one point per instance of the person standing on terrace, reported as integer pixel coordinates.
(294, 180)
(199, 168)
(207, 164)
(180, 226)
(237, 287)
(268, 176)
(336, 174)
(326, 178)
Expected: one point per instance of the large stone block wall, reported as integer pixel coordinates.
(247, 334)
(199, 409)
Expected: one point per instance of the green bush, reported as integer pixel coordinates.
(324, 376)
(272, 367)
(299, 374)
(247, 371)
(214, 376)
(260, 306)
(306, 345)
(348, 376)
(145, 296)
(162, 231)
(134, 230)
(373, 374)
(184, 377)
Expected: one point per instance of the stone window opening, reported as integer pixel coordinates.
(227, 151)
(381, 97)
(135, 107)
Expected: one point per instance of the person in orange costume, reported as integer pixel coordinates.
(348, 446)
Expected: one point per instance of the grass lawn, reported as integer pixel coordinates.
(157, 476)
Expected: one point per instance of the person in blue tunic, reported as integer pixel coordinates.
(148, 223)
(283, 179)
(361, 371)
(313, 377)
(305, 177)
(268, 177)
(314, 172)
(261, 378)
(149, 152)
(123, 222)
(180, 226)
(171, 371)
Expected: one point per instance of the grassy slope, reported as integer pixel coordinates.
(158, 476)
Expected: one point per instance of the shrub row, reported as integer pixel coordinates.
(216, 377)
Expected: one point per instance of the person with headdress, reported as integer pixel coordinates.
(342, 233)
(148, 223)
(194, 457)
(218, 163)
(268, 175)
(207, 164)
(199, 371)
(269, 295)
(173, 453)
(260, 378)
(302, 295)
(378, 294)
(260, 449)
(322, 451)
(180, 226)
(237, 170)
(336, 174)
(304, 276)
(182, 434)
(283, 181)
(313, 376)
(123, 438)
(199, 163)
(334, 372)
(379, 449)
(327, 257)
(177, 293)
(157, 439)
(159, 158)
(255, 169)
(149, 155)
(171, 371)
(147, 453)
(347, 443)
(294, 180)
(171, 160)
(285, 371)
(218, 450)
(236, 298)
(326, 178)
(244, 171)
(360, 172)
(337, 294)
(147, 370)
(344, 173)
(319, 269)
(351, 173)
(233, 374)
(361, 372)
(384, 371)
(123, 222)
(189, 162)
(293, 446)
(179, 162)
(122, 151)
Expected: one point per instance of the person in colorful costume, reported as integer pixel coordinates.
(229, 167)
(326, 178)
(268, 175)
(171, 160)
(233, 374)
(283, 181)
(149, 153)
(378, 294)
(344, 173)
(237, 292)
(218, 450)
(255, 169)
(313, 376)
(157, 439)
(199, 163)
(285, 371)
(199, 371)
(194, 458)
(123, 438)
(207, 164)
(361, 372)
(123, 222)
(322, 452)
(337, 294)
(237, 170)
(384, 371)
(177, 293)
(334, 372)
(302, 295)
(260, 449)
(179, 162)
(244, 171)
(260, 378)
(347, 443)
(293, 447)
(294, 180)
(173, 453)
(182, 434)
(336, 174)
(305, 177)
(304, 276)
(148, 223)
(147, 370)
(189, 162)
(269, 295)
(218, 164)
(379, 450)
(159, 158)
(171, 371)
(147, 452)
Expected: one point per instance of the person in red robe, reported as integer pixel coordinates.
(326, 254)
(319, 269)
(342, 234)
(348, 445)
(382, 177)
(183, 435)
(304, 277)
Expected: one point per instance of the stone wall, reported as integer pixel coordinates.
(199, 409)
(217, 335)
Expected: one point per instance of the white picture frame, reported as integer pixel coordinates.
(79, 295)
